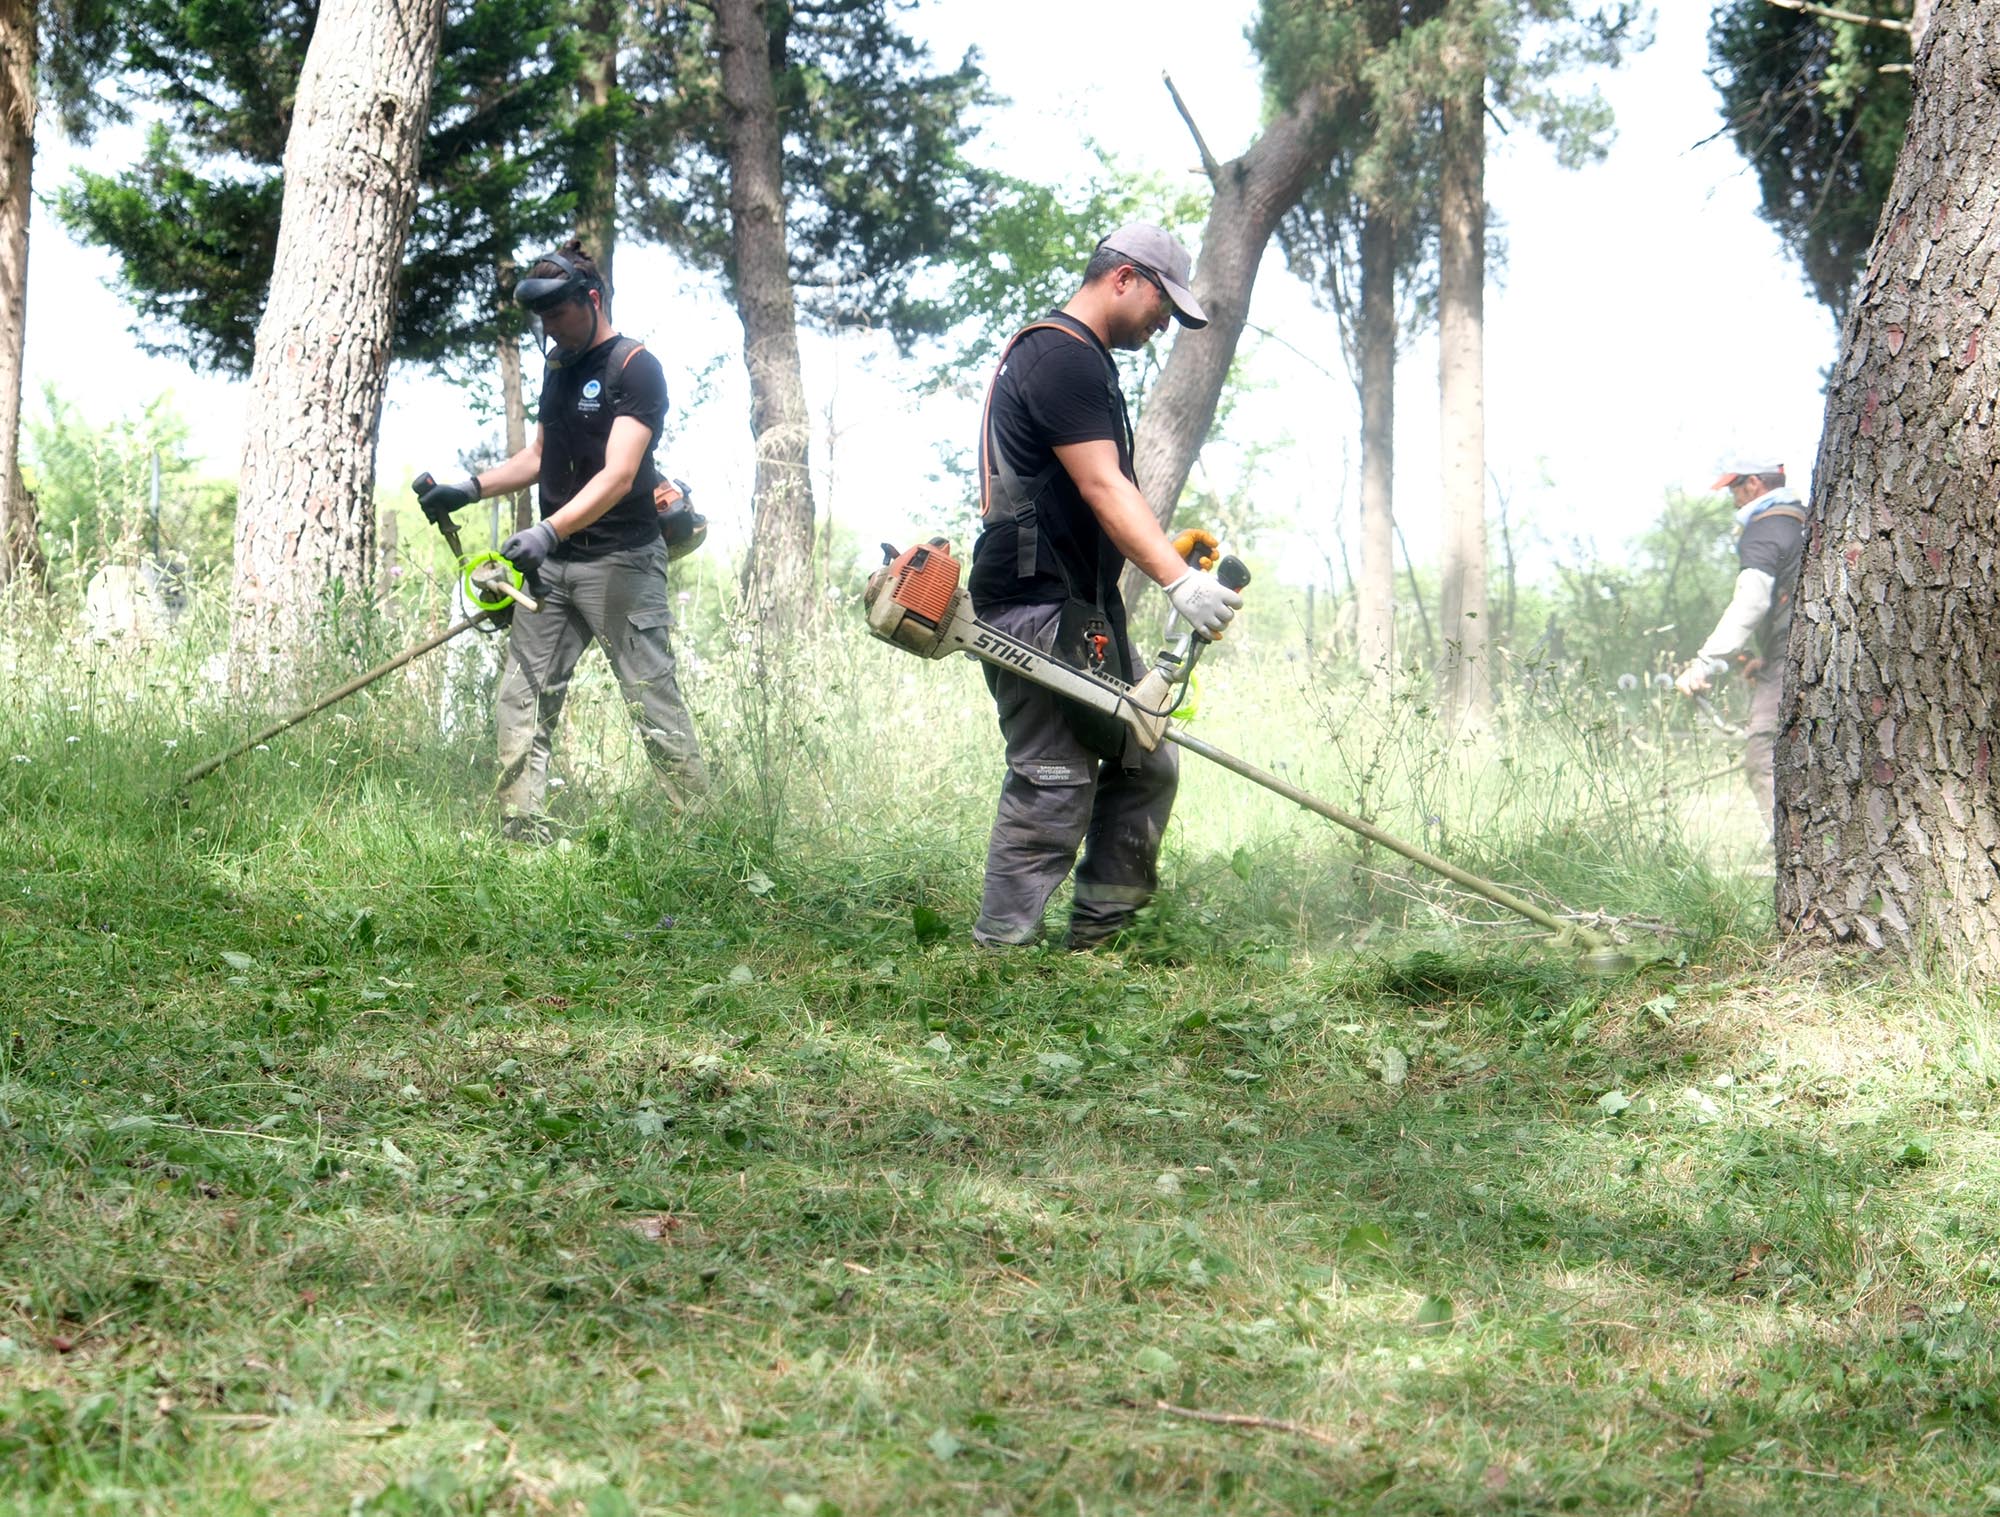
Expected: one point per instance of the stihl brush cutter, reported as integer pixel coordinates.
(916, 602)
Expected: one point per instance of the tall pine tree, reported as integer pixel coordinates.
(811, 156)
(1818, 103)
(510, 154)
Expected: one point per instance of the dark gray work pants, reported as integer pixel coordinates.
(1059, 796)
(619, 600)
(1760, 740)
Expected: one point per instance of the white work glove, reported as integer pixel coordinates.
(1694, 679)
(1204, 602)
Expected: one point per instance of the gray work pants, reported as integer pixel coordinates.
(1760, 741)
(619, 600)
(1059, 796)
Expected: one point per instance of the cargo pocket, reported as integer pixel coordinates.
(647, 649)
(1041, 746)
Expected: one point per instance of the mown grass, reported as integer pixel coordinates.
(355, 1162)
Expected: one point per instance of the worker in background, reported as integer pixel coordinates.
(1770, 548)
(597, 557)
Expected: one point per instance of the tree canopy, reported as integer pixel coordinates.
(877, 187)
(1818, 107)
(194, 223)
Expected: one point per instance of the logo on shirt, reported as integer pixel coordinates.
(588, 402)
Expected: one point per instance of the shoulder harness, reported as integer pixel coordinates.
(1024, 498)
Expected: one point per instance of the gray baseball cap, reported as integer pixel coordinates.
(1159, 251)
(1733, 472)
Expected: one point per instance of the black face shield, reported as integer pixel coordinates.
(551, 292)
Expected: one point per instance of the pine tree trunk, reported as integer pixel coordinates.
(597, 216)
(18, 547)
(1252, 194)
(777, 575)
(1464, 676)
(521, 511)
(1376, 589)
(1888, 820)
(305, 522)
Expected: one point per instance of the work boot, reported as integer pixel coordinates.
(522, 827)
(1088, 939)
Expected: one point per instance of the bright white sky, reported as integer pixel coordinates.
(1646, 326)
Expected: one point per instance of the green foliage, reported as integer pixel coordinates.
(195, 222)
(877, 188)
(1404, 59)
(196, 252)
(1819, 108)
(1029, 255)
(93, 486)
(1647, 610)
(1537, 43)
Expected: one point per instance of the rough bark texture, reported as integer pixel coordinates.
(521, 508)
(1252, 194)
(597, 217)
(1464, 676)
(777, 575)
(1888, 823)
(18, 547)
(305, 521)
(1375, 590)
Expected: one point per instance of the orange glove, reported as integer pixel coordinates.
(1197, 548)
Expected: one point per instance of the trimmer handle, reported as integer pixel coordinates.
(1232, 573)
(420, 487)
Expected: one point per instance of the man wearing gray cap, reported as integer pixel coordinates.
(1062, 516)
(1770, 550)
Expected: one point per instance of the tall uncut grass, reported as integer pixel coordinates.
(837, 751)
(355, 1161)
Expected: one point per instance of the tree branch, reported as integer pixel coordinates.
(1827, 13)
(1209, 165)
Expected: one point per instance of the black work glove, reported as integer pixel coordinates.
(439, 501)
(529, 550)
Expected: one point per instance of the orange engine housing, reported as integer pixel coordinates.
(925, 579)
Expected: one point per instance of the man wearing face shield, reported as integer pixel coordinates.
(595, 558)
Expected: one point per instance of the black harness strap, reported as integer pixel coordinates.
(1024, 498)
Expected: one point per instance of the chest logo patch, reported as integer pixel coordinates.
(588, 401)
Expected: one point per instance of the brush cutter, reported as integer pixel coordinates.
(492, 587)
(915, 601)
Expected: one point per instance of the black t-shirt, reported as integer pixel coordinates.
(1051, 391)
(1775, 544)
(579, 403)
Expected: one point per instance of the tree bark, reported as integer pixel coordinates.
(305, 522)
(19, 550)
(1252, 194)
(597, 216)
(1375, 628)
(1888, 825)
(522, 502)
(777, 574)
(1464, 675)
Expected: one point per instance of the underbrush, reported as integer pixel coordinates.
(355, 1161)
